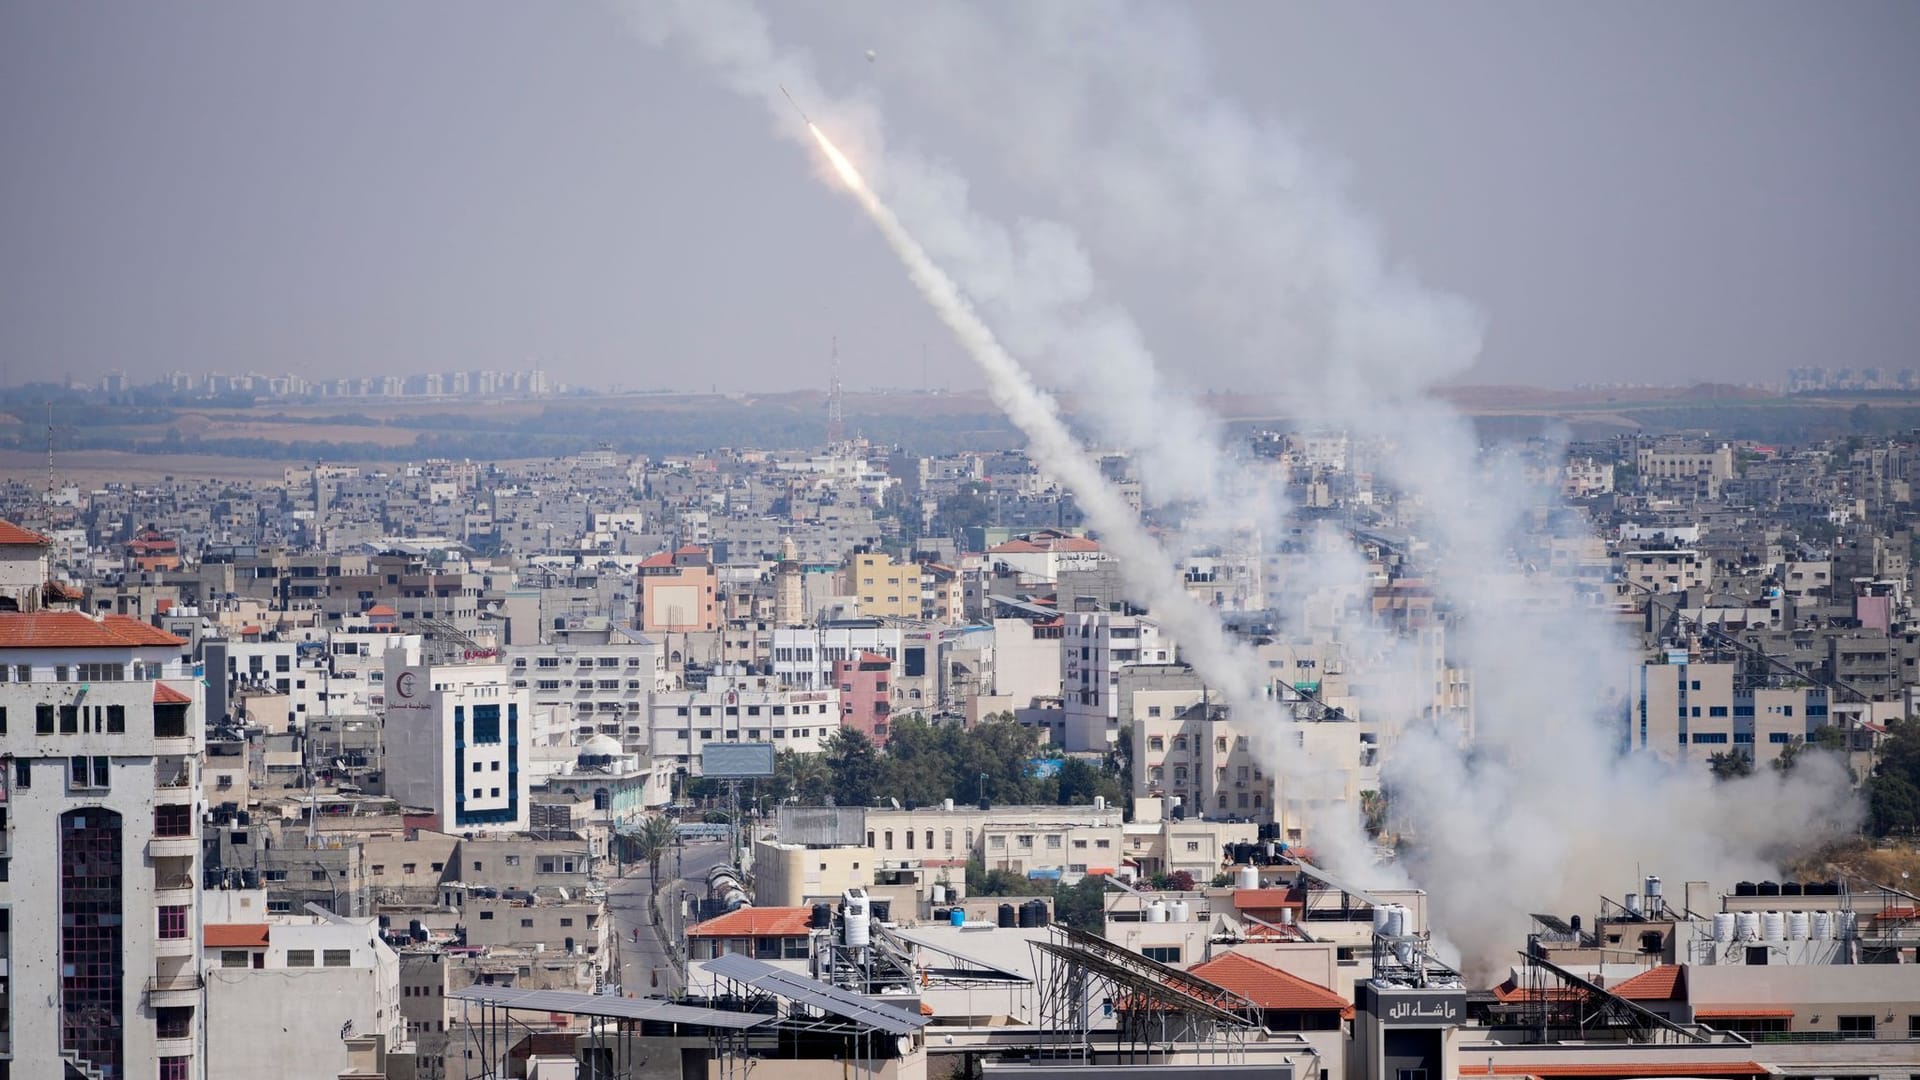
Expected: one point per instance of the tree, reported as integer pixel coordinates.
(657, 835)
(1082, 905)
(1180, 881)
(1730, 765)
(855, 767)
(1893, 791)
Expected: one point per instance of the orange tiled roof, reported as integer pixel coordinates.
(1265, 985)
(379, 611)
(756, 922)
(73, 630)
(665, 558)
(1633, 1068)
(14, 534)
(1263, 899)
(235, 935)
(1664, 983)
(167, 695)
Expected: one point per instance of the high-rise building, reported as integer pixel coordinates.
(458, 737)
(101, 728)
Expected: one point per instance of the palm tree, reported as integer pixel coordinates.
(657, 835)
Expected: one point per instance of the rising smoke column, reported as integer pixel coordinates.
(1109, 109)
(732, 40)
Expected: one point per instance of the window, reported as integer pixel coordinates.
(116, 720)
(22, 773)
(232, 958)
(1165, 954)
(566, 922)
(174, 1021)
(486, 916)
(176, 1068)
(173, 821)
(173, 922)
(299, 957)
(526, 924)
(92, 773)
(1856, 1027)
(69, 719)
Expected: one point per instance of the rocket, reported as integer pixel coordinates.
(796, 105)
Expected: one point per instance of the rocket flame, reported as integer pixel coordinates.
(848, 174)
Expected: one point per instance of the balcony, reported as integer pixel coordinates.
(174, 989)
(173, 947)
(173, 847)
(181, 1047)
(172, 889)
(174, 771)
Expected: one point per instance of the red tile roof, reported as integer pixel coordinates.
(756, 922)
(379, 611)
(235, 935)
(74, 630)
(167, 695)
(1665, 983)
(1632, 1068)
(665, 558)
(1263, 899)
(14, 534)
(1265, 985)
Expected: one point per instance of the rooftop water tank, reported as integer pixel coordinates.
(957, 917)
(1248, 877)
(822, 917)
(1791, 888)
(1822, 926)
(1396, 920)
(1381, 914)
(1769, 888)
(1006, 917)
(1797, 926)
(1033, 913)
(1773, 926)
(1156, 912)
(1723, 927)
(1746, 926)
(1178, 911)
(1746, 888)
(856, 922)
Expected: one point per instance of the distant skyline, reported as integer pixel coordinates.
(1630, 193)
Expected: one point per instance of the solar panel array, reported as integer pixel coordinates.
(831, 999)
(606, 1005)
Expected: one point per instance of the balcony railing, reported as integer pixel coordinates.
(166, 984)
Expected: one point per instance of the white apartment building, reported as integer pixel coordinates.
(1094, 648)
(803, 657)
(457, 740)
(738, 709)
(593, 689)
(310, 981)
(101, 727)
(1667, 570)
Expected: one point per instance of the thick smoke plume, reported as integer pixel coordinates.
(1107, 111)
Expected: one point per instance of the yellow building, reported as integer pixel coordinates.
(885, 588)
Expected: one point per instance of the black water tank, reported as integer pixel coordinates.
(1790, 888)
(1033, 913)
(1769, 888)
(1575, 923)
(1179, 813)
(386, 922)
(984, 804)
(1746, 888)
(243, 818)
(822, 916)
(881, 910)
(1834, 888)
(249, 879)
(1006, 918)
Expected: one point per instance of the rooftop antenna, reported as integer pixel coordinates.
(49, 506)
(836, 412)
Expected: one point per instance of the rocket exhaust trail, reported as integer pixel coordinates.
(1193, 625)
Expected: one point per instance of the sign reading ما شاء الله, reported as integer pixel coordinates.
(1419, 1007)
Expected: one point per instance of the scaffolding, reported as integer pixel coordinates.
(487, 1010)
(1557, 1005)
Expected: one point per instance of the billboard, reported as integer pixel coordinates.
(736, 761)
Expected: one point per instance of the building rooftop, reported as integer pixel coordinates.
(235, 935)
(167, 695)
(1265, 985)
(1668, 982)
(14, 534)
(755, 922)
(74, 630)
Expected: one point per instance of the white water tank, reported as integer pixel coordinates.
(1396, 920)
(1773, 926)
(939, 894)
(947, 805)
(1723, 927)
(1286, 916)
(1822, 928)
(1653, 895)
(1797, 926)
(1248, 877)
(1631, 903)
(1382, 915)
(1846, 926)
(1746, 926)
(857, 922)
(1156, 912)
(1179, 911)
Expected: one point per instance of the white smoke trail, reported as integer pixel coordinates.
(1109, 109)
(1044, 287)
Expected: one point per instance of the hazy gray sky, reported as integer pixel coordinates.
(1628, 191)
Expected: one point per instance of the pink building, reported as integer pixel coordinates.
(866, 694)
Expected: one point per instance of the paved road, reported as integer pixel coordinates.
(646, 967)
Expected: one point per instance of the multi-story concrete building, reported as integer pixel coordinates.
(101, 729)
(738, 709)
(677, 592)
(457, 741)
(1094, 649)
(1688, 710)
(866, 694)
(594, 688)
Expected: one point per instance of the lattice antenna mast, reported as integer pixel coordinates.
(836, 407)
